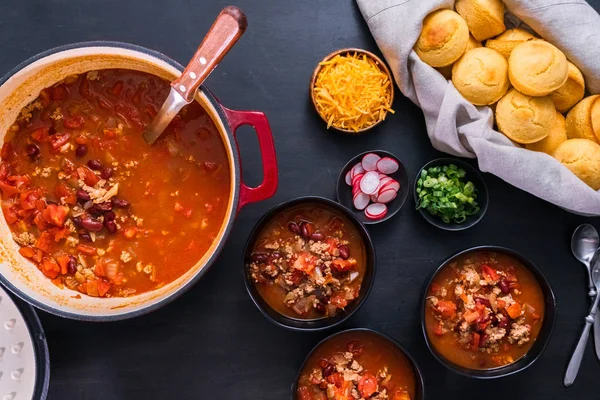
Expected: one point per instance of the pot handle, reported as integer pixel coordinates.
(259, 122)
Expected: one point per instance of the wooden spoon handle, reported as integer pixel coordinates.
(222, 35)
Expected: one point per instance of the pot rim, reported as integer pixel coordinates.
(369, 249)
(419, 380)
(495, 373)
(141, 309)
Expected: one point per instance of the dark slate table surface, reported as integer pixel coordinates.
(212, 343)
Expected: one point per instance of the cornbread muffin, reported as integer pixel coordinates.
(582, 157)
(579, 119)
(443, 39)
(557, 135)
(481, 76)
(516, 34)
(595, 117)
(537, 68)
(447, 70)
(485, 18)
(525, 119)
(571, 92)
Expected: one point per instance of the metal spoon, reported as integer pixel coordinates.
(225, 31)
(575, 363)
(584, 243)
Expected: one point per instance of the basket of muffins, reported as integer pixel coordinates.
(537, 95)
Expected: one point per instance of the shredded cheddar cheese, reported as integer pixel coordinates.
(352, 92)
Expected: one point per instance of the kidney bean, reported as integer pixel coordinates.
(328, 370)
(109, 216)
(306, 229)
(32, 150)
(322, 363)
(317, 236)
(111, 226)
(483, 301)
(120, 203)
(320, 307)
(494, 320)
(258, 257)
(83, 196)
(504, 286)
(293, 227)
(85, 236)
(92, 225)
(344, 251)
(72, 265)
(81, 150)
(482, 339)
(77, 222)
(354, 347)
(106, 173)
(503, 323)
(94, 164)
(275, 255)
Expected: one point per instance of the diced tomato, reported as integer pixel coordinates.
(331, 244)
(25, 214)
(8, 190)
(475, 340)
(88, 176)
(110, 133)
(27, 252)
(58, 140)
(400, 395)
(40, 134)
(338, 300)
(65, 193)
(50, 267)
(28, 199)
(343, 265)
(55, 214)
(514, 310)
(10, 215)
(336, 378)
(44, 242)
(59, 92)
(59, 233)
(85, 249)
(76, 121)
(446, 307)
(489, 273)
(103, 287)
(80, 139)
(63, 261)
(39, 221)
(367, 385)
(305, 262)
(91, 288)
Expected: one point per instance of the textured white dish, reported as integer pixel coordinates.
(18, 369)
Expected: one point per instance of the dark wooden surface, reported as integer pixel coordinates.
(212, 343)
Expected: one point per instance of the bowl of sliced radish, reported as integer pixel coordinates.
(374, 186)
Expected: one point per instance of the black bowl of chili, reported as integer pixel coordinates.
(533, 349)
(472, 177)
(373, 353)
(309, 264)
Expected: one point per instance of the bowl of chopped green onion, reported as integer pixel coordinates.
(451, 194)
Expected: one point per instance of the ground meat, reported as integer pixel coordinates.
(24, 238)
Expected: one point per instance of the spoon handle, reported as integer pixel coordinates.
(575, 363)
(597, 337)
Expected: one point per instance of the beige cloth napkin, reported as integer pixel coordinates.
(456, 126)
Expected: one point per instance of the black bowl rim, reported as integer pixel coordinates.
(483, 190)
(420, 381)
(476, 373)
(353, 160)
(369, 247)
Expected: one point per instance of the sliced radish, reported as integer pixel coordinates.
(387, 165)
(370, 182)
(376, 211)
(386, 196)
(356, 179)
(374, 198)
(355, 189)
(357, 169)
(349, 178)
(390, 185)
(361, 200)
(369, 161)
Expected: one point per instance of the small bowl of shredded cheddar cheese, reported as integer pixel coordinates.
(352, 90)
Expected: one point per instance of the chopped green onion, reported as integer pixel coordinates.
(443, 192)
